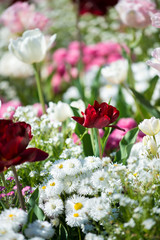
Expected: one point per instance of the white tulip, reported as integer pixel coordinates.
(150, 126)
(62, 111)
(79, 104)
(116, 72)
(151, 144)
(31, 47)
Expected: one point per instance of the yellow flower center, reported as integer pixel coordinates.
(101, 178)
(76, 215)
(60, 166)
(78, 206)
(110, 193)
(44, 187)
(10, 215)
(52, 184)
(115, 164)
(135, 174)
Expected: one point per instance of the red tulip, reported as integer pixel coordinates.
(14, 138)
(98, 116)
(96, 7)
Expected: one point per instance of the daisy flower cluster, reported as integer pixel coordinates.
(98, 196)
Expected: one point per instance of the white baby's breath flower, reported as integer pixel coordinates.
(150, 126)
(39, 229)
(92, 236)
(131, 223)
(148, 223)
(31, 47)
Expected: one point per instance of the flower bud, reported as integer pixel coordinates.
(150, 126)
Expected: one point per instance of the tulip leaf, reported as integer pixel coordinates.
(95, 86)
(105, 138)
(34, 198)
(126, 145)
(122, 106)
(145, 103)
(149, 92)
(39, 213)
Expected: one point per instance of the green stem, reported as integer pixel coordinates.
(20, 196)
(3, 179)
(99, 144)
(39, 87)
(79, 233)
(92, 140)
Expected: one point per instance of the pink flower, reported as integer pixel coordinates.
(22, 16)
(13, 104)
(136, 13)
(10, 193)
(116, 136)
(155, 18)
(26, 190)
(155, 62)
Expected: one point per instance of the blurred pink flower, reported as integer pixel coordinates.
(155, 62)
(13, 104)
(12, 193)
(136, 13)
(38, 107)
(65, 60)
(116, 136)
(22, 16)
(155, 18)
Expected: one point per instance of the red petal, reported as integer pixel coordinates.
(29, 155)
(80, 120)
(15, 139)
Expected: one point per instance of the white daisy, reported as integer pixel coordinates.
(91, 163)
(76, 204)
(98, 208)
(54, 187)
(12, 236)
(72, 166)
(39, 229)
(75, 219)
(100, 179)
(53, 207)
(57, 170)
(14, 217)
(71, 183)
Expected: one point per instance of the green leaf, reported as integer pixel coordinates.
(34, 198)
(145, 103)
(39, 213)
(63, 234)
(3, 206)
(122, 106)
(126, 145)
(105, 137)
(95, 86)
(86, 140)
(150, 90)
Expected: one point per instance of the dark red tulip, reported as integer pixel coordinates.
(14, 138)
(96, 7)
(98, 116)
